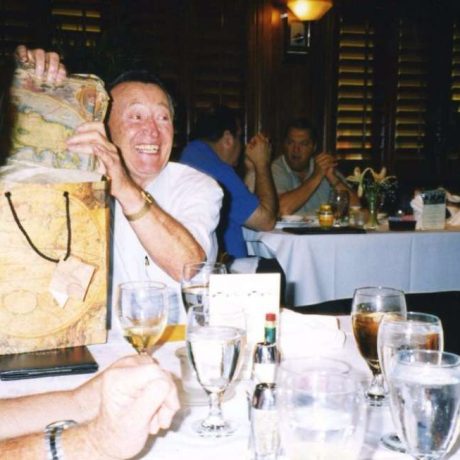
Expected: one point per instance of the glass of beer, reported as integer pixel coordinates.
(368, 307)
(418, 331)
(143, 313)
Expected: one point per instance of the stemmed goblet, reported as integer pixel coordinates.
(215, 352)
(368, 307)
(425, 401)
(418, 331)
(195, 283)
(143, 313)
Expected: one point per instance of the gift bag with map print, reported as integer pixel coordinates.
(53, 260)
(45, 115)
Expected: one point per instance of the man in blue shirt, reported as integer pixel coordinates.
(216, 151)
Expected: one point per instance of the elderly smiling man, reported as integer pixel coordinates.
(165, 213)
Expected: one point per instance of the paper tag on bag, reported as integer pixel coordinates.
(71, 278)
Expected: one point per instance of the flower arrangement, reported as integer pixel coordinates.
(372, 182)
(375, 187)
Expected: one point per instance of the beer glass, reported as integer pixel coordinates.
(368, 307)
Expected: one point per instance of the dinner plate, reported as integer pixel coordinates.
(292, 218)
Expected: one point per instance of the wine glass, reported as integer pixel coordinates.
(418, 331)
(215, 352)
(425, 401)
(195, 283)
(143, 313)
(339, 201)
(368, 307)
(321, 410)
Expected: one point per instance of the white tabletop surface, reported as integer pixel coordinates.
(320, 268)
(180, 441)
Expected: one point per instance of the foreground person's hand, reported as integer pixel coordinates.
(137, 400)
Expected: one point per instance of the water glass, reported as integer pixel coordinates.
(195, 283)
(321, 410)
(340, 202)
(425, 401)
(215, 351)
(416, 331)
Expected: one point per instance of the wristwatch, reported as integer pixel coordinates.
(148, 201)
(53, 433)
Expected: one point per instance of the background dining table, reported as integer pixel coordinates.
(328, 266)
(180, 441)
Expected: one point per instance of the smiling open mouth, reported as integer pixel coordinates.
(149, 149)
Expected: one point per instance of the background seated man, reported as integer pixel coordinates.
(304, 178)
(215, 151)
(115, 411)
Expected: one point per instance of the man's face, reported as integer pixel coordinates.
(141, 127)
(298, 149)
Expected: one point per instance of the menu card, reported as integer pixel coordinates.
(434, 209)
(242, 300)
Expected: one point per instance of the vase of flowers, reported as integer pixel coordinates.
(375, 187)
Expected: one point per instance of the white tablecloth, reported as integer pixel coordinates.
(320, 268)
(181, 442)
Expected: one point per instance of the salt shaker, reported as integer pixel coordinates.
(264, 422)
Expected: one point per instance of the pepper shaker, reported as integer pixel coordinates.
(264, 422)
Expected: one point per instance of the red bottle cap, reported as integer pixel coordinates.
(270, 317)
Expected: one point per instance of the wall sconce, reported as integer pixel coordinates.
(309, 10)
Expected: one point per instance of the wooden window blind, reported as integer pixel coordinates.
(411, 93)
(355, 91)
(77, 23)
(455, 74)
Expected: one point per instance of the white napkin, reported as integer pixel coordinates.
(454, 218)
(302, 334)
(417, 206)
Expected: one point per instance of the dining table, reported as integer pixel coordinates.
(181, 441)
(324, 265)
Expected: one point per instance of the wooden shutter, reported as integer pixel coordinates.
(355, 90)
(77, 23)
(455, 74)
(411, 93)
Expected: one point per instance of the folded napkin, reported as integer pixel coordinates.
(454, 218)
(417, 207)
(303, 334)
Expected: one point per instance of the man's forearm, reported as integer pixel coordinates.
(294, 199)
(75, 445)
(20, 416)
(178, 246)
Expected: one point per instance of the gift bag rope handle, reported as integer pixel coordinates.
(32, 245)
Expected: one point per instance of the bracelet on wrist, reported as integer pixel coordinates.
(53, 433)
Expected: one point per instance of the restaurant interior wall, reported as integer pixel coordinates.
(354, 82)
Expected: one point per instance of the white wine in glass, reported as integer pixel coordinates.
(143, 313)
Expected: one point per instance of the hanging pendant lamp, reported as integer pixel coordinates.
(309, 10)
